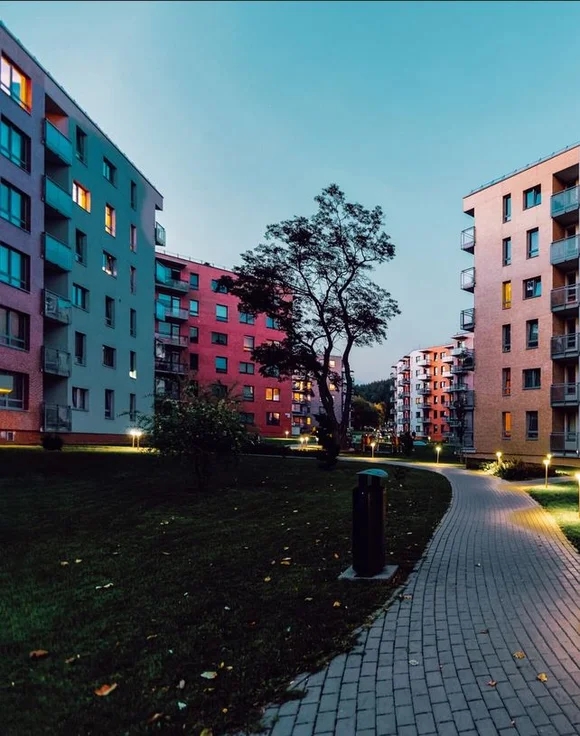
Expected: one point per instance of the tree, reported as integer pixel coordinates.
(364, 414)
(377, 392)
(311, 275)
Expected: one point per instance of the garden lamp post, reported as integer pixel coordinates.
(286, 433)
(546, 465)
(498, 454)
(438, 451)
(373, 444)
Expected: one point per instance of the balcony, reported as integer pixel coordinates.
(467, 319)
(565, 252)
(172, 284)
(170, 366)
(56, 308)
(58, 143)
(56, 418)
(468, 239)
(468, 279)
(465, 363)
(564, 206)
(424, 391)
(459, 351)
(57, 198)
(159, 235)
(180, 341)
(448, 358)
(423, 376)
(564, 443)
(163, 312)
(424, 362)
(464, 401)
(565, 300)
(456, 388)
(56, 361)
(565, 394)
(565, 346)
(56, 253)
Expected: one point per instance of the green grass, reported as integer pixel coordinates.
(189, 585)
(561, 500)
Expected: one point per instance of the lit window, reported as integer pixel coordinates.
(221, 365)
(132, 364)
(272, 394)
(133, 238)
(81, 196)
(273, 419)
(506, 430)
(332, 363)
(221, 313)
(14, 144)
(110, 220)
(15, 83)
(18, 397)
(80, 398)
(332, 387)
(109, 264)
(248, 343)
(506, 295)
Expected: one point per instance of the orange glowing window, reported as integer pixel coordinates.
(15, 83)
(81, 196)
(506, 295)
(110, 220)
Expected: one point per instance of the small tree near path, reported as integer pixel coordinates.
(312, 276)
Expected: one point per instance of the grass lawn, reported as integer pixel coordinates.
(561, 500)
(125, 577)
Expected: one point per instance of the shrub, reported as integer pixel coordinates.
(52, 442)
(515, 470)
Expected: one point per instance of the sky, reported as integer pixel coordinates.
(241, 112)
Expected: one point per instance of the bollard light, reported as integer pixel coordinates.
(546, 465)
(438, 451)
(373, 445)
(498, 454)
(286, 433)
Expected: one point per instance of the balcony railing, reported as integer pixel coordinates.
(424, 362)
(56, 418)
(424, 391)
(180, 341)
(565, 394)
(57, 253)
(56, 361)
(456, 388)
(448, 358)
(424, 376)
(163, 312)
(58, 198)
(565, 202)
(56, 307)
(565, 251)
(170, 366)
(172, 284)
(468, 239)
(564, 443)
(467, 319)
(465, 400)
(565, 346)
(159, 234)
(465, 363)
(565, 299)
(58, 143)
(468, 279)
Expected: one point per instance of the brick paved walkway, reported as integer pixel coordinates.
(497, 578)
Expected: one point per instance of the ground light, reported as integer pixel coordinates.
(438, 451)
(498, 455)
(546, 465)
(578, 479)
(136, 435)
(373, 445)
(286, 433)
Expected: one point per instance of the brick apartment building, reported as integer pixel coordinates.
(525, 243)
(77, 232)
(201, 335)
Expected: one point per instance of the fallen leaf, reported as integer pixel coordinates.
(285, 562)
(267, 580)
(542, 677)
(492, 683)
(209, 675)
(38, 654)
(227, 608)
(413, 662)
(308, 599)
(77, 561)
(229, 668)
(181, 684)
(64, 563)
(222, 665)
(72, 659)
(519, 655)
(152, 636)
(166, 553)
(286, 549)
(105, 689)
(336, 604)
(155, 717)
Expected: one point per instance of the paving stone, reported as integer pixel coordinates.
(325, 722)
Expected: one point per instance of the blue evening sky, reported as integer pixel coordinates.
(241, 112)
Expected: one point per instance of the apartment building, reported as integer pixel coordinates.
(201, 336)
(77, 233)
(524, 240)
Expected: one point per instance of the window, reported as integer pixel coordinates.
(109, 171)
(221, 365)
(248, 393)
(532, 197)
(133, 238)
(273, 418)
(193, 361)
(247, 417)
(272, 394)
(248, 343)
(14, 267)
(80, 297)
(507, 252)
(110, 220)
(109, 264)
(247, 368)
(532, 430)
(194, 308)
(14, 329)
(109, 357)
(81, 145)
(80, 247)
(532, 378)
(81, 196)
(506, 295)
(506, 425)
(219, 338)
(80, 399)
(435, 428)
(15, 83)
(272, 323)
(193, 335)
(109, 311)
(219, 288)
(219, 390)
(507, 208)
(532, 334)
(221, 313)
(435, 385)
(436, 399)
(506, 381)
(80, 348)
(533, 243)
(194, 281)
(133, 195)
(533, 288)
(132, 279)
(133, 323)
(14, 144)
(109, 404)
(132, 407)
(18, 397)
(506, 338)
(14, 206)
(132, 364)
(247, 319)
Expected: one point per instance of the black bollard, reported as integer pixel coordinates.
(368, 523)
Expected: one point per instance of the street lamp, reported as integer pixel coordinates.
(438, 451)
(373, 444)
(546, 465)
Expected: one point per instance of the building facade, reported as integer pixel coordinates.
(77, 232)
(201, 336)
(524, 240)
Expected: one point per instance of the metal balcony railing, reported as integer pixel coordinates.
(468, 279)
(56, 418)
(565, 250)
(58, 143)
(56, 361)
(468, 239)
(56, 307)
(58, 198)
(424, 391)
(424, 362)
(180, 341)
(565, 394)
(565, 346)
(565, 298)
(564, 443)
(562, 203)
(163, 312)
(467, 319)
(172, 284)
(159, 235)
(57, 253)
(170, 366)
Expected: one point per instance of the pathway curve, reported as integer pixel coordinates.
(498, 577)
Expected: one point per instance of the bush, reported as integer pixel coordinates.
(52, 442)
(515, 470)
